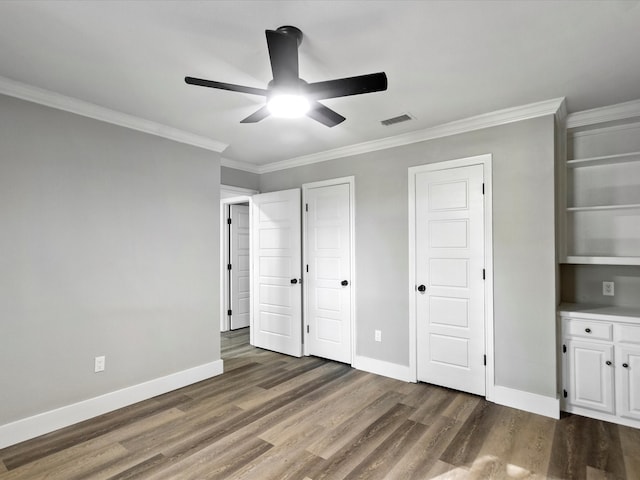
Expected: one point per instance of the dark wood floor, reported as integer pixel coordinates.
(271, 416)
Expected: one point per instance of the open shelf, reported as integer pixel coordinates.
(601, 260)
(604, 160)
(603, 207)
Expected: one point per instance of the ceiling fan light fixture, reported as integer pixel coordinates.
(288, 105)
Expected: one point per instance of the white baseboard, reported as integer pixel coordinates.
(46, 422)
(386, 369)
(529, 402)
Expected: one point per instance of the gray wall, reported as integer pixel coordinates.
(583, 284)
(523, 235)
(239, 178)
(108, 246)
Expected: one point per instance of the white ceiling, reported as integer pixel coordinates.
(445, 61)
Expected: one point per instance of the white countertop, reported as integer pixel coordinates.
(600, 312)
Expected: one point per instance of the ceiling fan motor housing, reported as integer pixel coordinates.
(293, 31)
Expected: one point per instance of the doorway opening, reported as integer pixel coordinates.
(234, 257)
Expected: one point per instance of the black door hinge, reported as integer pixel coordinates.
(228, 266)
(306, 207)
(307, 328)
(485, 360)
(483, 188)
(483, 273)
(228, 221)
(564, 349)
(564, 393)
(307, 268)
(229, 312)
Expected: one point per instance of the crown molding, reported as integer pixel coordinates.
(610, 113)
(91, 110)
(492, 119)
(238, 165)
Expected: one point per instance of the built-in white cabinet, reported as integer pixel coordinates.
(601, 362)
(602, 177)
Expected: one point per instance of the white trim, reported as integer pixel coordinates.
(610, 113)
(46, 422)
(228, 191)
(240, 195)
(607, 417)
(486, 161)
(97, 112)
(238, 165)
(352, 254)
(529, 402)
(386, 369)
(572, 134)
(493, 119)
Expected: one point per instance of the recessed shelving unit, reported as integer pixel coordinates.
(602, 195)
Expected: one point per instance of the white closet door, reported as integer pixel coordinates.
(240, 267)
(276, 246)
(449, 273)
(328, 258)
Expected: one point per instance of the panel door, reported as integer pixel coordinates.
(329, 272)
(449, 273)
(590, 378)
(276, 244)
(240, 267)
(628, 367)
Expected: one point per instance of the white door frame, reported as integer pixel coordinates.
(352, 231)
(229, 195)
(484, 160)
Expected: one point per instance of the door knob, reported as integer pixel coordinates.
(588, 330)
(625, 365)
(344, 283)
(608, 362)
(422, 288)
(294, 281)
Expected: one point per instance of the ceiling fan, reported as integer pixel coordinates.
(290, 96)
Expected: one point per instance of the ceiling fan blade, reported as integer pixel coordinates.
(343, 87)
(256, 116)
(225, 86)
(283, 53)
(324, 115)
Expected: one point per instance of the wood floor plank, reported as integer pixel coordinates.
(434, 403)
(275, 417)
(289, 459)
(580, 442)
(87, 448)
(464, 448)
(532, 449)
(46, 445)
(342, 462)
(419, 459)
(337, 438)
(292, 385)
(138, 469)
(378, 463)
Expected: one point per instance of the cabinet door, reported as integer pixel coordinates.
(629, 381)
(590, 378)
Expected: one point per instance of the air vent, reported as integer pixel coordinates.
(405, 117)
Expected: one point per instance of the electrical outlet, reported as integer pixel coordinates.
(608, 289)
(378, 335)
(99, 364)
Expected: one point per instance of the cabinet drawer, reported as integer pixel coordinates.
(628, 334)
(588, 329)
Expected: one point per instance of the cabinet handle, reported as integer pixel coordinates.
(588, 330)
(608, 362)
(625, 365)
